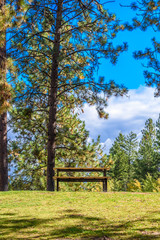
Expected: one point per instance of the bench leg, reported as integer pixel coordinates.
(57, 185)
(104, 182)
(105, 185)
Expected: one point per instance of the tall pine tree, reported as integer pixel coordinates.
(11, 16)
(3, 113)
(60, 44)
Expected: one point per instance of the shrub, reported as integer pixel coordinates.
(134, 186)
(150, 184)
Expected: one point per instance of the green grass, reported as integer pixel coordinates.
(79, 215)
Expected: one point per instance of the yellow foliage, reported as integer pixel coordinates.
(5, 95)
(110, 185)
(80, 60)
(4, 107)
(158, 183)
(134, 186)
(81, 76)
(122, 27)
(155, 8)
(16, 154)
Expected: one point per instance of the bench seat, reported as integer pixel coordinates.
(59, 179)
(81, 179)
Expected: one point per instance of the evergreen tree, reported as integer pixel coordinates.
(28, 152)
(11, 14)
(131, 147)
(147, 162)
(60, 44)
(123, 154)
(120, 163)
(158, 133)
(4, 97)
(158, 143)
(3, 113)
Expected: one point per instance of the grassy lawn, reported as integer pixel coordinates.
(79, 215)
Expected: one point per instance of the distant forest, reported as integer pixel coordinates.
(134, 165)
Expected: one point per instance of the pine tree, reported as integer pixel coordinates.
(3, 105)
(158, 132)
(28, 152)
(10, 16)
(158, 143)
(131, 147)
(60, 45)
(123, 152)
(147, 161)
(120, 163)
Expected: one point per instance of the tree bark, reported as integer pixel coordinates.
(3, 153)
(53, 101)
(3, 120)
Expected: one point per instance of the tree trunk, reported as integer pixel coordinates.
(3, 121)
(53, 101)
(3, 153)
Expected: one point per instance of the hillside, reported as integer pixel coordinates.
(79, 215)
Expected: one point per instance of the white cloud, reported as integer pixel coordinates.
(125, 114)
(107, 145)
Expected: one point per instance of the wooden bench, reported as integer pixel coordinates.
(82, 179)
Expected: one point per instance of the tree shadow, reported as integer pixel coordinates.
(83, 228)
(7, 214)
(8, 226)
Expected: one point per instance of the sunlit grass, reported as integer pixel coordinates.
(79, 215)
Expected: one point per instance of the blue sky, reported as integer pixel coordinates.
(128, 70)
(125, 114)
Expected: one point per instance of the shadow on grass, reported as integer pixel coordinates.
(7, 214)
(83, 228)
(16, 224)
